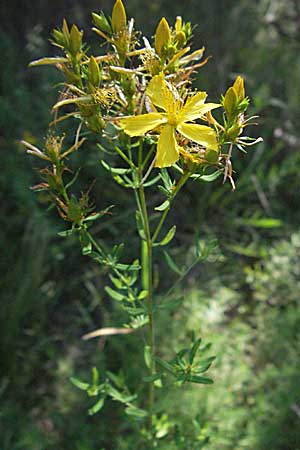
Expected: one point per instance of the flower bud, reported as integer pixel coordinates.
(233, 132)
(239, 88)
(162, 36)
(59, 38)
(211, 155)
(178, 24)
(75, 40)
(95, 123)
(94, 73)
(118, 17)
(180, 39)
(101, 22)
(230, 102)
(65, 30)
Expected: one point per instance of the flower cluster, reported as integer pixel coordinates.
(144, 89)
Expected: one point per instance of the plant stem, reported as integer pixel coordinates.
(147, 278)
(147, 267)
(148, 285)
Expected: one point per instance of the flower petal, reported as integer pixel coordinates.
(201, 134)
(195, 107)
(167, 148)
(139, 125)
(159, 93)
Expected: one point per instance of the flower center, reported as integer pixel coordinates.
(173, 119)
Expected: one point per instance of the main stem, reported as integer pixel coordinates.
(148, 285)
(147, 267)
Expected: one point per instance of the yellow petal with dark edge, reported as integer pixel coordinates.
(195, 107)
(159, 93)
(139, 125)
(167, 148)
(201, 134)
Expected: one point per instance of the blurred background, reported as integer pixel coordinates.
(244, 299)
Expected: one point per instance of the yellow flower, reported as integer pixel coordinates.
(174, 118)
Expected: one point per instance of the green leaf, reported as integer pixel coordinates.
(79, 384)
(69, 101)
(96, 216)
(117, 282)
(169, 236)
(199, 380)
(119, 396)
(205, 365)
(45, 61)
(163, 206)
(140, 225)
(115, 170)
(129, 267)
(95, 376)
(96, 408)
(116, 379)
(134, 311)
(152, 181)
(66, 233)
(172, 265)
(208, 178)
(147, 356)
(164, 191)
(114, 294)
(165, 365)
(194, 350)
(143, 294)
(136, 412)
(164, 175)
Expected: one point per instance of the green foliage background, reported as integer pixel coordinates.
(245, 300)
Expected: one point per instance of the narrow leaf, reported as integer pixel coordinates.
(169, 236)
(147, 355)
(79, 384)
(172, 265)
(194, 350)
(199, 380)
(96, 408)
(114, 294)
(45, 61)
(163, 206)
(136, 412)
(165, 365)
(66, 233)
